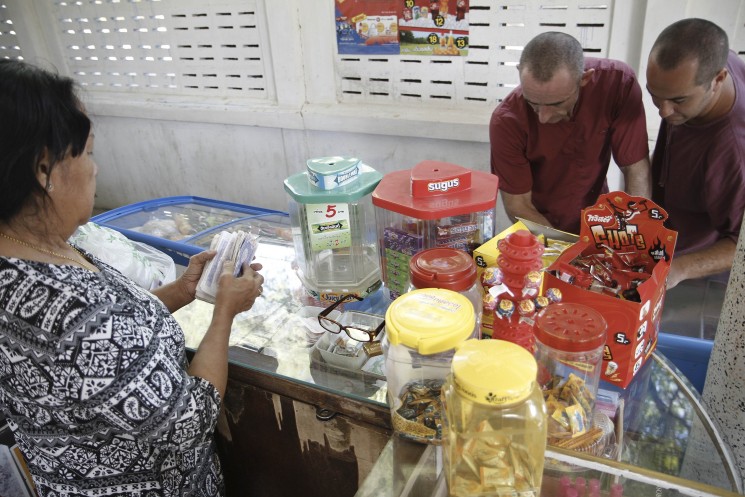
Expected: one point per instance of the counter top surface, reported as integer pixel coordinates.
(665, 428)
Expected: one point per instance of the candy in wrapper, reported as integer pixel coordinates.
(492, 276)
(553, 295)
(505, 308)
(532, 284)
(526, 307)
(541, 302)
(489, 302)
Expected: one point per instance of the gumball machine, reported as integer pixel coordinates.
(333, 227)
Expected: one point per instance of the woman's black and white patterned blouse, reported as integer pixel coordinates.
(94, 387)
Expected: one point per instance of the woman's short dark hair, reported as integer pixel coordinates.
(696, 39)
(38, 110)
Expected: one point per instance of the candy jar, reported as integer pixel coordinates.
(423, 328)
(448, 268)
(494, 436)
(569, 349)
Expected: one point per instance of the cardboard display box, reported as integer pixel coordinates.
(632, 226)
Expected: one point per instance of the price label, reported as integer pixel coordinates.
(328, 226)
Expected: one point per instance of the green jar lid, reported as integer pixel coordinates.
(306, 187)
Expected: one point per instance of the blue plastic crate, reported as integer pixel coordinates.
(689, 355)
(183, 226)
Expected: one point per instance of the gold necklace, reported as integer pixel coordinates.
(84, 262)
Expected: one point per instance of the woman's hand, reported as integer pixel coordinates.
(183, 290)
(189, 280)
(238, 294)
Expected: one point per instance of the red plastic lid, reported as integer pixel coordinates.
(442, 268)
(521, 245)
(570, 327)
(432, 190)
(520, 333)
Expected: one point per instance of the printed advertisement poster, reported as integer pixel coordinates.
(367, 27)
(438, 27)
(328, 226)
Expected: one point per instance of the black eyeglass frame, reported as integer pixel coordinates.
(323, 316)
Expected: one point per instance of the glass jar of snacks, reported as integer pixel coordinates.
(450, 268)
(422, 329)
(494, 435)
(569, 350)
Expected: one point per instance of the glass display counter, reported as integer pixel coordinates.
(668, 445)
(672, 449)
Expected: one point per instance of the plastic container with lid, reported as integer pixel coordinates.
(569, 349)
(519, 262)
(422, 329)
(448, 268)
(494, 436)
(333, 231)
(434, 204)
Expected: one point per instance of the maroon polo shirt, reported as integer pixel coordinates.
(698, 173)
(565, 164)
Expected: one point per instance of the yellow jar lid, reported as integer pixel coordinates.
(493, 372)
(430, 320)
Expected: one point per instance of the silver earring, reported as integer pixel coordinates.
(50, 187)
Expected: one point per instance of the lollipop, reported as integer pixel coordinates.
(532, 283)
(492, 276)
(554, 295)
(505, 308)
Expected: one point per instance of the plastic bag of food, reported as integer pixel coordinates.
(145, 265)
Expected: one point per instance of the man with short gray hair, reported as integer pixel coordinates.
(552, 137)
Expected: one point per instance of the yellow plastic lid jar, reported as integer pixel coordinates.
(423, 327)
(494, 431)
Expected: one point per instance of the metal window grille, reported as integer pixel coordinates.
(9, 46)
(164, 46)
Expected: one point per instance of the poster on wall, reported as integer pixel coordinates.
(367, 27)
(436, 27)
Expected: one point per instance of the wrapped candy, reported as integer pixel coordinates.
(526, 307)
(492, 276)
(532, 284)
(489, 302)
(554, 295)
(505, 308)
(541, 302)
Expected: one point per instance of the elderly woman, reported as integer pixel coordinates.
(93, 377)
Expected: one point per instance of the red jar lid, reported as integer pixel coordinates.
(570, 327)
(447, 268)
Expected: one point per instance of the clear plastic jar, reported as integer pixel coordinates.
(494, 436)
(569, 350)
(423, 328)
(448, 268)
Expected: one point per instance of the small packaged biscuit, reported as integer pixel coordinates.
(238, 246)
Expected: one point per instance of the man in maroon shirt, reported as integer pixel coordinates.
(698, 164)
(552, 137)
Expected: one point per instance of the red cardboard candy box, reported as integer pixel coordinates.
(619, 267)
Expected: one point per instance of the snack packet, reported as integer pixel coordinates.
(238, 246)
